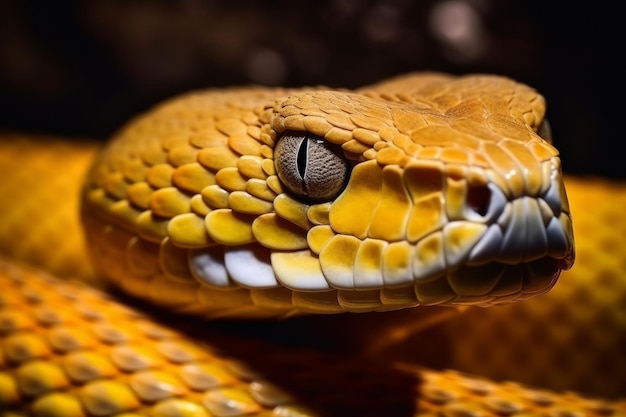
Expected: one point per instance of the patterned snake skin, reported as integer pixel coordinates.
(432, 224)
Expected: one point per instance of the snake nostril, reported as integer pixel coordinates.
(479, 199)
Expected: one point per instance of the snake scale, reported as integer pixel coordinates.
(254, 203)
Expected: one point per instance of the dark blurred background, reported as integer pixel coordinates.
(82, 68)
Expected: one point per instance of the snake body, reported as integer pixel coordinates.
(451, 194)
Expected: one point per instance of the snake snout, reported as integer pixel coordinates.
(526, 227)
(497, 243)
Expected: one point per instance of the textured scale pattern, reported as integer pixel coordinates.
(72, 351)
(449, 175)
(24, 161)
(68, 350)
(571, 338)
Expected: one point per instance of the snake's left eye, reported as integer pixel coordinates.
(310, 167)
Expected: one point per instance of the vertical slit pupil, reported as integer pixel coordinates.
(302, 156)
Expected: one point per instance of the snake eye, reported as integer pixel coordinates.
(310, 167)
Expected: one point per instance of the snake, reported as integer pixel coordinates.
(276, 209)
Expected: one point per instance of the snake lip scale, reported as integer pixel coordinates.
(425, 189)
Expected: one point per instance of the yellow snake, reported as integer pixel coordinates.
(419, 191)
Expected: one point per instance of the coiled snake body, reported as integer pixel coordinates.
(421, 190)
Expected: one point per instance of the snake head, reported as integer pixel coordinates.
(453, 196)
(421, 190)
